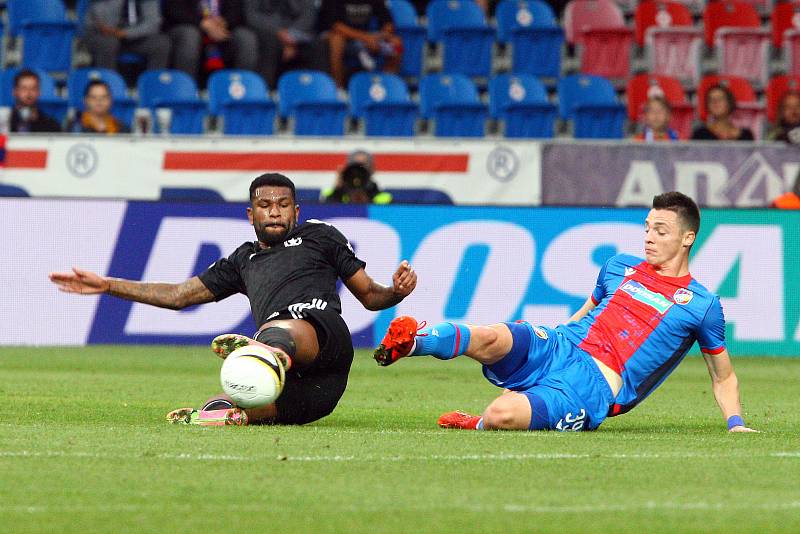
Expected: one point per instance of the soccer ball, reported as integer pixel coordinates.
(252, 376)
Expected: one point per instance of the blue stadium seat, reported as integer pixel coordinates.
(535, 36)
(310, 97)
(467, 39)
(520, 100)
(240, 97)
(177, 91)
(451, 100)
(384, 103)
(591, 103)
(49, 101)
(412, 34)
(123, 106)
(46, 33)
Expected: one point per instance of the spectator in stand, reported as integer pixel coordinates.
(97, 117)
(351, 40)
(287, 37)
(211, 31)
(114, 27)
(355, 183)
(719, 126)
(787, 128)
(655, 126)
(26, 115)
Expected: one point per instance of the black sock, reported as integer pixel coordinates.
(278, 338)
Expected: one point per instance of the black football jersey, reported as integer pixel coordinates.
(290, 277)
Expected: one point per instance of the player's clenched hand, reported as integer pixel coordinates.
(742, 429)
(80, 281)
(404, 280)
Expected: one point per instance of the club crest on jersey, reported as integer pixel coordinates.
(629, 271)
(293, 242)
(642, 294)
(539, 332)
(682, 296)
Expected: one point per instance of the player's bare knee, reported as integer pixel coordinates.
(489, 343)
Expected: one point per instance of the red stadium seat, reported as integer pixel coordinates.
(660, 14)
(643, 86)
(728, 13)
(777, 87)
(791, 50)
(744, 52)
(598, 28)
(785, 16)
(675, 51)
(749, 113)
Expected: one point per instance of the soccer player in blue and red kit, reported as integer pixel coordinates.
(632, 332)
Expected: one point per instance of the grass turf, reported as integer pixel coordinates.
(84, 447)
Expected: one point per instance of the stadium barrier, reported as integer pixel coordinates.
(475, 264)
(464, 172)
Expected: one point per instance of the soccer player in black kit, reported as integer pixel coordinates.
(289, 275)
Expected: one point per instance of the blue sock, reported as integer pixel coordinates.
(443, 341)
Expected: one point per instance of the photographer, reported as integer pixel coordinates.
(354, 183)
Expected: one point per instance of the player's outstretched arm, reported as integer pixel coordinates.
(726, 390)
(375, 296)
(163, 295)
(588, 306)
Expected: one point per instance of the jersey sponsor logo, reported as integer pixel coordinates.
(629, 271)
(298, 309)
(293, 242)
(682, 296)
(539, 332)
(642, 294)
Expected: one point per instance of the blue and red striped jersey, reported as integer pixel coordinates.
(644, 324)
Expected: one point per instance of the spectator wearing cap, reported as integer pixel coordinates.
(287, 37)
(26, 115)
(114, 27)
(355, 183)
(720, 106)
(213, 31)
(655, 123)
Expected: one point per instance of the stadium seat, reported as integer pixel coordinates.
(383, 102)
(728, 13)
(785, 16)
(520, 101)
(412, 34)
(742, 45)
(534, 34)
(123, 106)
(310, 98)
(597, 28)
(675, 51)
(177, 91)
(644, 86)
(590, 102)
(241, 99)
(451, 100)
(777, 87)
(461, 27)
(49, 100)
(659, 14)
(46, 33)
(791, 51)
(749, 112)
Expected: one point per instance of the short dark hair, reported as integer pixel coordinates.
(95, 83)
(25, 73)
(686, 208)
(658, 100)
(728, 96)
(273, 179)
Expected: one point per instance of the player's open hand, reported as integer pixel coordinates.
(741, 428)
(80, 281)
(404, 280)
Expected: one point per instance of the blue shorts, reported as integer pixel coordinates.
(565, 387)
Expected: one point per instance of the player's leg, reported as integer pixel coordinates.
(486, 344)
(510, 411)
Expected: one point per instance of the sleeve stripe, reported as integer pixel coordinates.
(712, 351)
(595, 301)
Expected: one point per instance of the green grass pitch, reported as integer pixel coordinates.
(84, 447)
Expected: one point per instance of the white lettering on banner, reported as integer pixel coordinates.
(503, 281)
(790, 172)
(761, 182)
(377, 244)
(568, 264)
(687, 177)
(757, 308)
(641, 184)
(173, 256)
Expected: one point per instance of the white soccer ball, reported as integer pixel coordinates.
(252, 376)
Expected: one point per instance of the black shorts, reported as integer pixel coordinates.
(312, 393)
